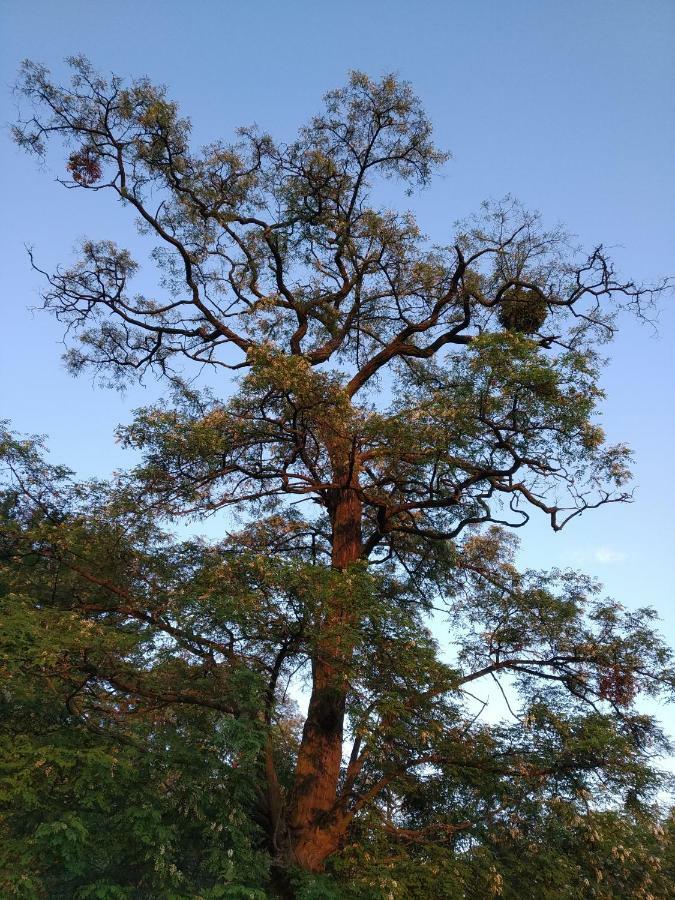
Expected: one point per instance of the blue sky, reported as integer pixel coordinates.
(568, 106)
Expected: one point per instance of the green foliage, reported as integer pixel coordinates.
(131, 747)
(152, 811)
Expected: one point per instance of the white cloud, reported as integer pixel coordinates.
(609, 555)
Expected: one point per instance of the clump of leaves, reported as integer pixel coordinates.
(523, 310)
(85, 167)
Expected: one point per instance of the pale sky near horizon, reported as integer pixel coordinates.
(567, 105)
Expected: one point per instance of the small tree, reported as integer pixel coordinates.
(416, 401)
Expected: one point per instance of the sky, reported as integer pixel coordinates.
(568, 106)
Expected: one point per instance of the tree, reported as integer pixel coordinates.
(416, 401)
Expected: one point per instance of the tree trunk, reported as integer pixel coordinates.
(314, 826)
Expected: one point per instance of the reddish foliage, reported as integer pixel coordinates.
(617, 686)
(84, 166)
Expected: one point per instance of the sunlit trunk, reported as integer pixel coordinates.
(315, 829)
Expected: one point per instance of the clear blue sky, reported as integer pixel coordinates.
(568, 105)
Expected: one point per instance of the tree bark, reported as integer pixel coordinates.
(315, 826)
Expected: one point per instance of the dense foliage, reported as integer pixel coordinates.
(398, 409)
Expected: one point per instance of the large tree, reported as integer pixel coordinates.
(399, 407)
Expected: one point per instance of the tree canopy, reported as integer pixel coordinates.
(381, 413)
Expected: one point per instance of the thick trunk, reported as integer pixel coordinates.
(315, 830)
